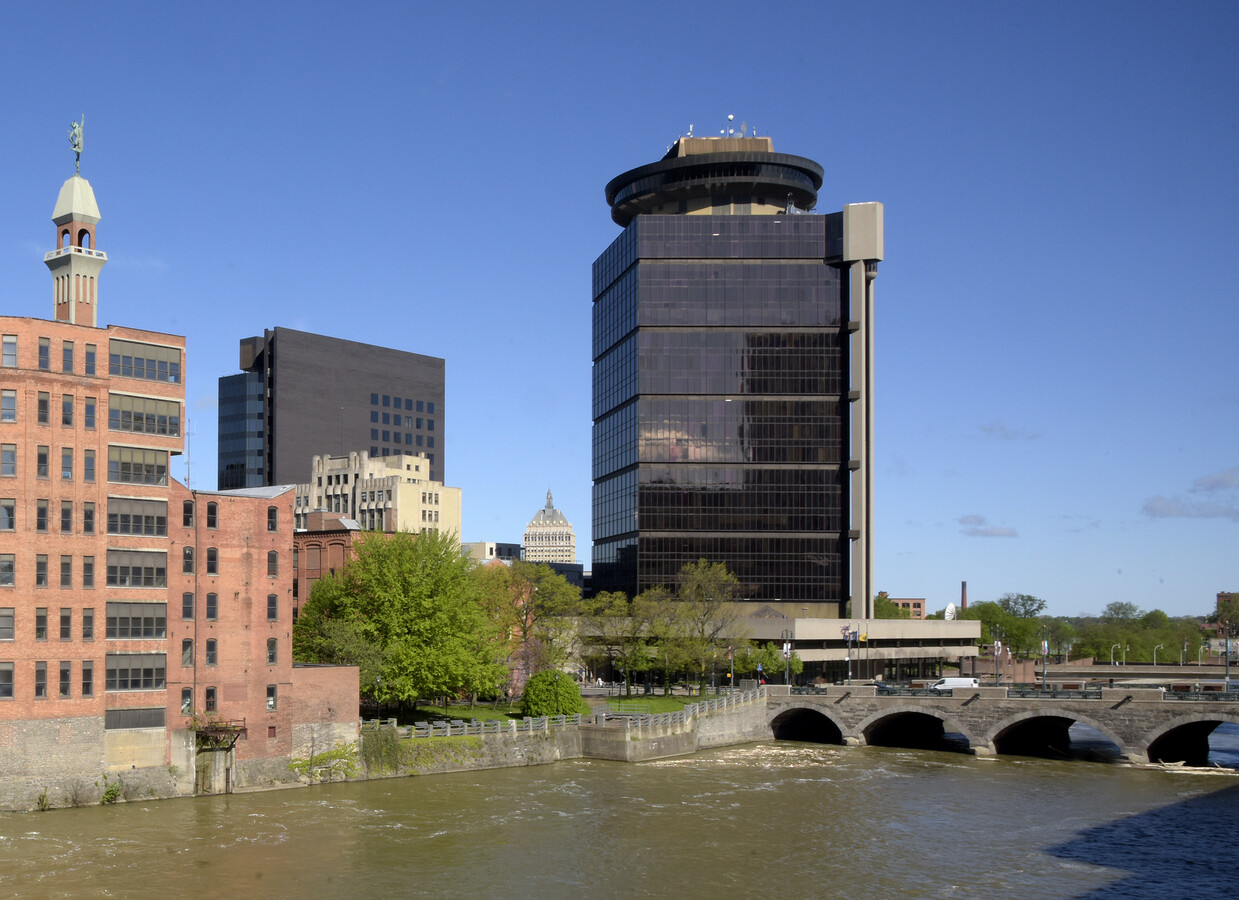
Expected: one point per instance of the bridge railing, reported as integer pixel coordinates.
(1215, 696)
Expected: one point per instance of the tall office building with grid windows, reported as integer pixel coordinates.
(732, 402)
(301, 395)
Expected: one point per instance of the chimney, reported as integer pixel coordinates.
(963, 595)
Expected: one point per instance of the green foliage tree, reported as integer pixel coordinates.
(1022, 606)
(552, 693)
(1121, 612)
(544, 608)
(770, 655)
(409, 609)
(621, 629)
(706, 592)
(885, 608)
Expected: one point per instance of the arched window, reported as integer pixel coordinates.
(212, 561)
(212, 515)
(187, 561)
(271, 651)
(273, 518)
(209, 703)
(212, 606)
(187, 514)
(83, 238)
(273, 564)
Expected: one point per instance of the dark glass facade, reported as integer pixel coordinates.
(240, 435)
(719, 404)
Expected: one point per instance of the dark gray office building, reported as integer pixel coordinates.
(303, 394)
(732, 400)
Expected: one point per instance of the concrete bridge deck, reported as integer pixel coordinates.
(1146, 724)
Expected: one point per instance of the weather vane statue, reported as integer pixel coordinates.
(75, 139)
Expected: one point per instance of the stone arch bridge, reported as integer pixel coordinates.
(1147, 725)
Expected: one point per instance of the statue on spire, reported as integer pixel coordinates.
(75, 140)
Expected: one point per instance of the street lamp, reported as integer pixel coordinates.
(787, 656)
(1126, 647)
(1112, 649)
(996, 634)
(1045, 652)
(1183, 653)
(1155, 649)
(1200, 654)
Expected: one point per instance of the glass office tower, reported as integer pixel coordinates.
(726, 346)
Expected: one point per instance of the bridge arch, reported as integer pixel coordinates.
(1037, 732)
(1184, 738)
(811, 724)
(905, 725)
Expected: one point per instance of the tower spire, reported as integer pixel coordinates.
(75, 263)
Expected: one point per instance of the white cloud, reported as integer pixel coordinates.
(978, 526)
(1220, 481)
(1177, 508)
(1001, 432)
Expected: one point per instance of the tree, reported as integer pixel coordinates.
(622, 629)
(885, 608)
(1022, 606)
(409, 607)
(707, 593)
(1121, 612)
(552, 693)
(544, 606)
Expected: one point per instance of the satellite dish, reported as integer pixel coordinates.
(950, 612)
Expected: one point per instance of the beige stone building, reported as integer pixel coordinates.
(384, 493)
(549, 537)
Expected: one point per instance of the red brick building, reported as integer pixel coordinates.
(128, 601)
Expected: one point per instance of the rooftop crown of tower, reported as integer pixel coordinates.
(75, 263)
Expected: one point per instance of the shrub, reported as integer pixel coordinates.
(552, 693)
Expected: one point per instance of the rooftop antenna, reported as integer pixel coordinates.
(690, 130)
(744, 126)
(729, 130)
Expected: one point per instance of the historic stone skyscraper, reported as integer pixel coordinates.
(549, 537)
(733, 382)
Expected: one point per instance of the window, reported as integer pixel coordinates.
(40, 681)
(187, 606)
(40, 515)
(88, 413)
(212, 515)
(42, 411)
(88, 465)
(187, 701)
(40, 580)
(45, 353)
(66, 572)
(8, 406)
(209, 702)
(66, 680)
(134, 465)
(6, 681)
(271, 696)
(91, 353)
(66, 463)
(66, 357)
(147, 361)
(137, 621)
(8, 514)
(212, 607)
(273, 607)
(88, 678)
(136, 672)
(40, 623)
(66, 410)
(88, 624)
(212, 561)
(8, 356)
(430, 408)
(88, 571)
(6, 623)
(144, 517)
(187, 514)
(7, 570)
(271, 651)
(212, 652)
(187, 561)
(150, 717)
(88, 518)
(144, 415)
(137, 568)
(273, 518)
(8, 459)
(187, 653)
(66, 623)
(273, 564)
(66, 516)
(40, 455)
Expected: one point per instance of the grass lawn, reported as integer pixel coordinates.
(483, 712)
(651, 703)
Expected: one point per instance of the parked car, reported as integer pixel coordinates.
(950, 684)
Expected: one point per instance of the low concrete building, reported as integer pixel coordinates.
(385, 493)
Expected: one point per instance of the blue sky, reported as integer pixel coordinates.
(1057, 396)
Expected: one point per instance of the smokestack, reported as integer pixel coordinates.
(963, 595)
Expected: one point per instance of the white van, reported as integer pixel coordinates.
(950, 684)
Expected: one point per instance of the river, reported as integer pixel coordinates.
(777, 819)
